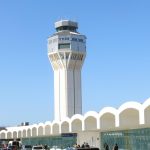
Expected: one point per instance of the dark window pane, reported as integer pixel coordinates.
(64, 45)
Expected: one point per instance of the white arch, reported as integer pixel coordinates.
(76, 116)
(131, 104)
(108, 118)
(19, 134)
(29, 129)
(90, 120)
(34, 130)
(55, 122)
(65, 120)
(65, 125)
(29, 133)
(47, 129)
(9, 135)
(24, 133)
(40, 130)
(113, 112)
(3, 134)
(90, 113)
(76, 123)
(15, 135)
(130, 114)
(55, 127)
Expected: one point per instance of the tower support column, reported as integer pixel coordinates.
(67, 93)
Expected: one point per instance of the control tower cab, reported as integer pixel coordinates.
(66, 52)
(66, 37)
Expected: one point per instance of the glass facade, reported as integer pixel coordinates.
(135, 139)
(61, 141)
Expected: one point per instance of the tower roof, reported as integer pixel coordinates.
(66, 23)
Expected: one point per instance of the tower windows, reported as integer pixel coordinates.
(69, 28)
(64, 46)
(61, 55)
(64, 38)
(67, 55)
(80, 40)
(74, 39)
(76, 56)
(77, 40)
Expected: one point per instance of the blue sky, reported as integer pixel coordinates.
(116, 69)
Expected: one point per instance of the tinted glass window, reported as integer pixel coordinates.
(64, 45)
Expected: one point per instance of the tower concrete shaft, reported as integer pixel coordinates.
(66, 52)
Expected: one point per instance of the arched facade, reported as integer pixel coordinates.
(129, 115)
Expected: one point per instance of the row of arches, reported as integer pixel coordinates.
(129, 115)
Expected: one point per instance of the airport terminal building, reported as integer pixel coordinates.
(128, 126)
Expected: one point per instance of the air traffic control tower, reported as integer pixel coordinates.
(66, 52)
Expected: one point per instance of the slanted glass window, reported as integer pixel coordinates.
(80, 40)
(64, 46)
(74, 39)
